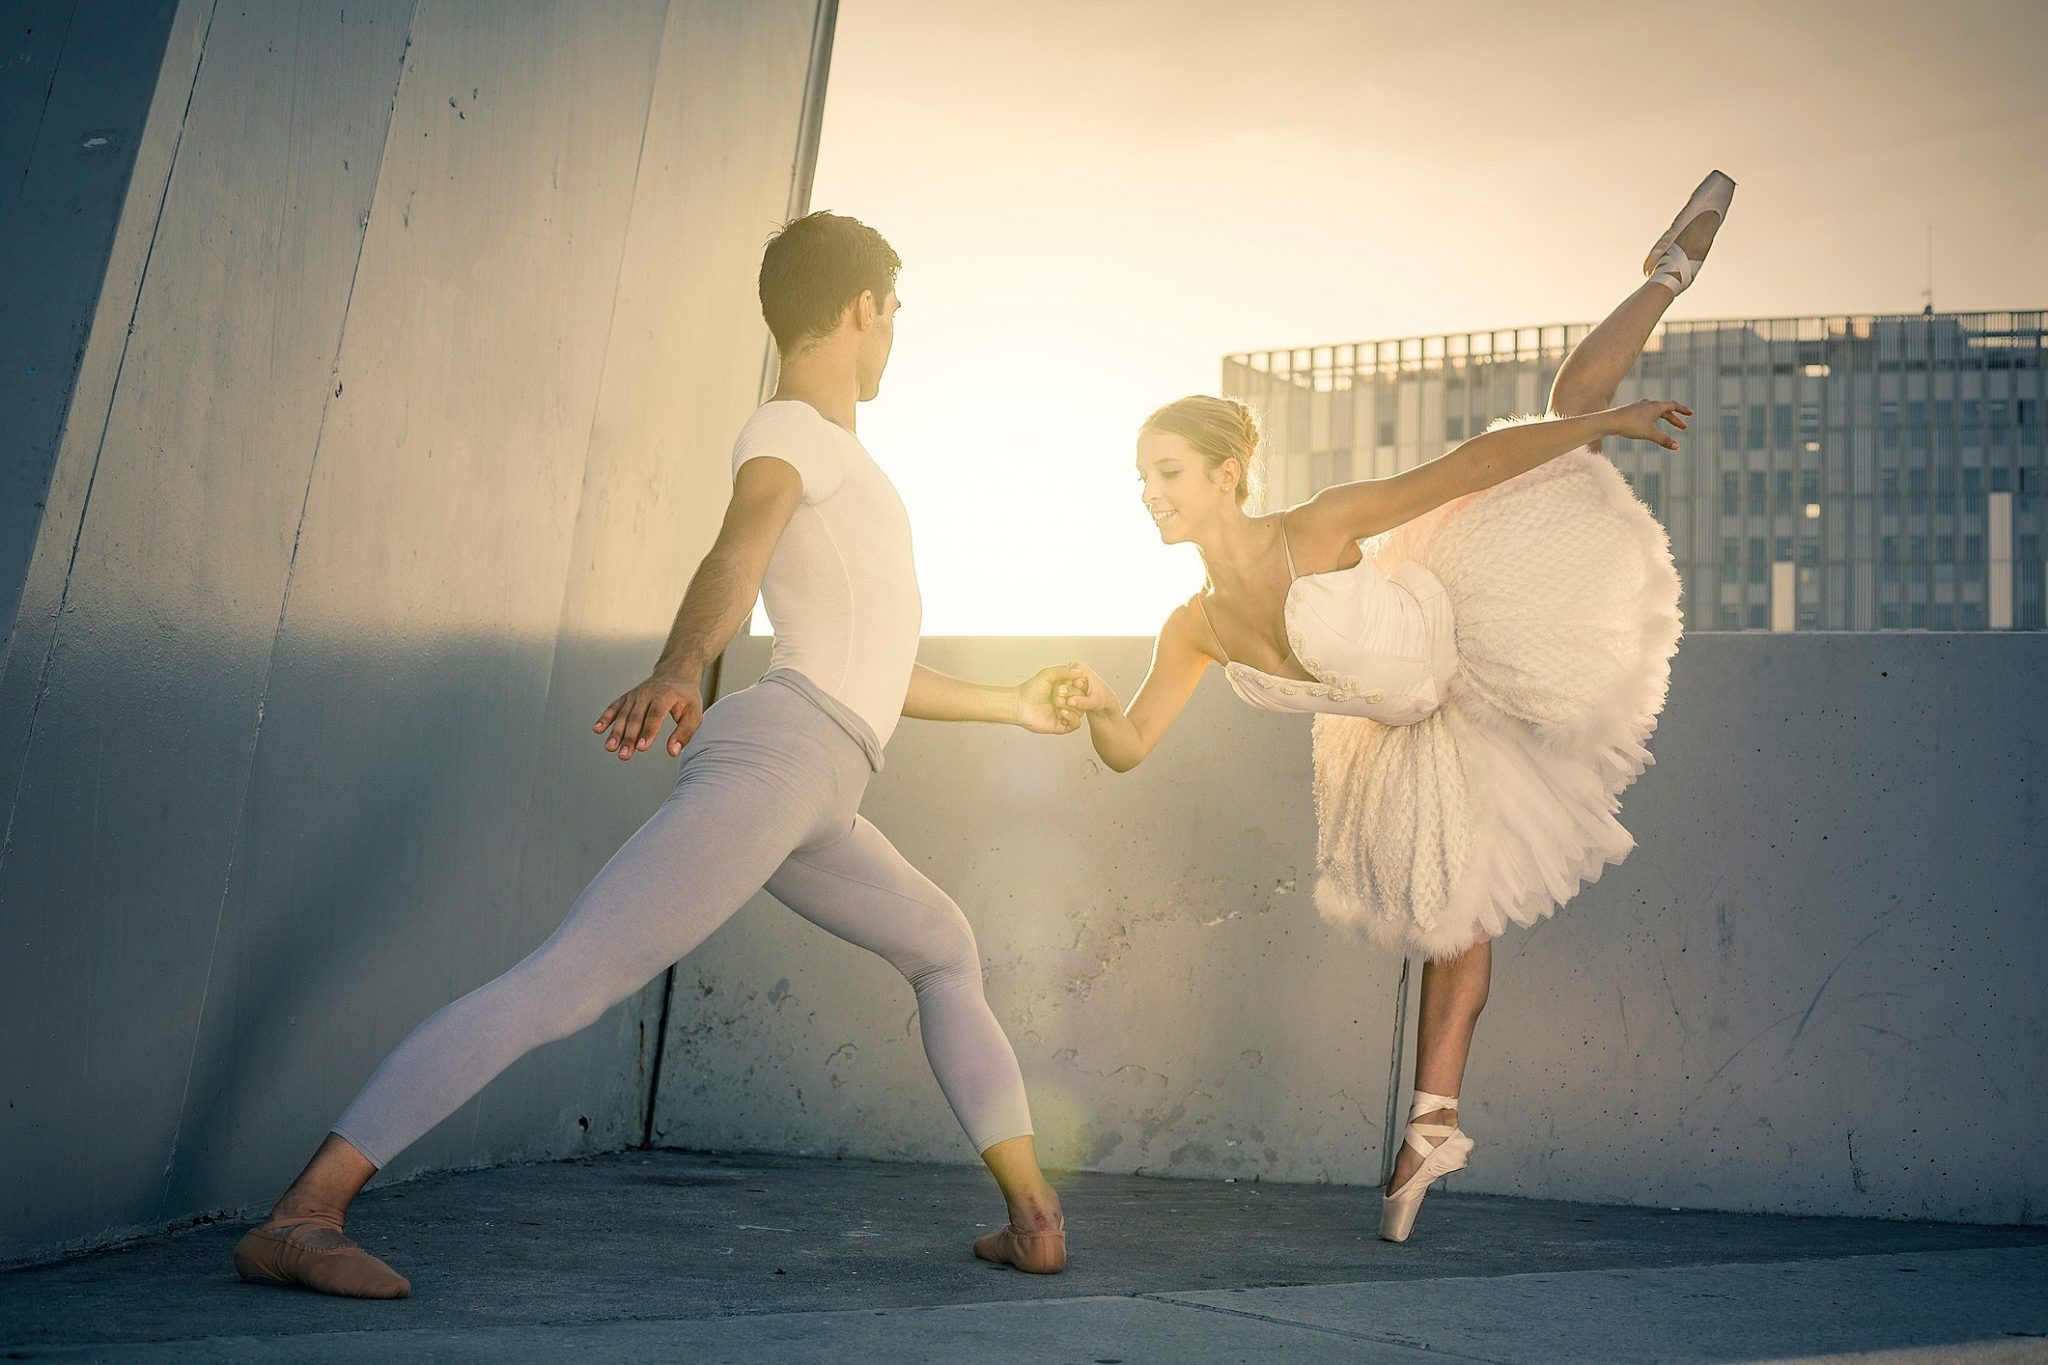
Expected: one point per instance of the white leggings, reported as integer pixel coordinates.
(768, 795)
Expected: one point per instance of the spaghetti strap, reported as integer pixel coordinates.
(1214, 638)
(1287, 549)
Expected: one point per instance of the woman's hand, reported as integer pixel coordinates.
(635, 718)
(1639, 420)
(1086, 691)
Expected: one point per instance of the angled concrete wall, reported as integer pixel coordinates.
(77, 82)
(443, 319)
(1813, 988)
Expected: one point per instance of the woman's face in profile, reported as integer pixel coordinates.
(1180, 491)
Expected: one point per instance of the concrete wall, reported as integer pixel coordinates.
(442, 320)
(77, 81)
(1814, 987)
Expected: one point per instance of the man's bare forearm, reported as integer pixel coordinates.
(940, 696)
(717, 603)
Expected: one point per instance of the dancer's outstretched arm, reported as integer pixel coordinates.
(1124, 735)
(1039, 703)
(765, 494)
(1353, 511)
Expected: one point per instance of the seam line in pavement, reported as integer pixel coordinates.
(1349, 1335)
(1638, 1269)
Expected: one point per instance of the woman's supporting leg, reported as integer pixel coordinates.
(861, 889)
(1453, 994)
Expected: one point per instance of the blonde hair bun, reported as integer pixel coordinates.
(1219, 429)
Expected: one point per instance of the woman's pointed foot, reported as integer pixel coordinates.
(1432, 1160)
(1676, 257)
(1039, 1252)
(314, 1253)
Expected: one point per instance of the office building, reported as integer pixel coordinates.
(1842, 473)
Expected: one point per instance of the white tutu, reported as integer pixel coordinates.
(1501, 805)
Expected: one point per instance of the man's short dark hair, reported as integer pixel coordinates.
(817, 265)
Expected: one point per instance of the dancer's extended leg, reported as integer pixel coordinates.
(1587, 380)
(1593, 371)
(867, 893)
(766, 773)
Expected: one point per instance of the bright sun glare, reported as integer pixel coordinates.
(1094, 204)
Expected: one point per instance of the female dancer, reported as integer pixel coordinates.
(1483, 670)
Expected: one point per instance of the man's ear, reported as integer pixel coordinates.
(866, 309)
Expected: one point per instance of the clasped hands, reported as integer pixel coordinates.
(1051, 701)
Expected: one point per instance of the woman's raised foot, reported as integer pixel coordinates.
(1676, 258)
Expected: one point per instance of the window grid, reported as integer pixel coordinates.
(1864, 449)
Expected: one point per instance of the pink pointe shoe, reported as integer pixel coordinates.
(1397, 1210)
(1667, 264)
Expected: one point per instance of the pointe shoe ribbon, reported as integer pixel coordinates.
(1034, 1253)
(1674, 269)
(314, 1253)
(1397, 1210)
(1667, 264)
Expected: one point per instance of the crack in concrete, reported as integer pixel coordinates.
(1822, 989)
(1376, 1338)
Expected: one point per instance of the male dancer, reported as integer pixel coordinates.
(768, 794)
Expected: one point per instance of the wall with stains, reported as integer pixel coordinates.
(399, 426)
(1813, 987)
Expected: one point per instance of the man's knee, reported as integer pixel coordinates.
(946, 953)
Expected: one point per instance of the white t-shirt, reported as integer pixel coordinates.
(841, 589)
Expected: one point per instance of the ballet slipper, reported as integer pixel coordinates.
(313, 1253)
(1034, 1253)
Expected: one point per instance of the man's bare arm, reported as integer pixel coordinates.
(1038, 703)
(722, 592)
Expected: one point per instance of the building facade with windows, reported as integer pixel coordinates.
(1842, 473)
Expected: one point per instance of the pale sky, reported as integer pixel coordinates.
(1096, 201)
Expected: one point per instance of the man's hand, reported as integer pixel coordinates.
(1043, 701)
(635, 718)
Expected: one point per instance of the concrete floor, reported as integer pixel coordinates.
(668, 1255)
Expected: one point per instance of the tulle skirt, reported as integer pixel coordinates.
(1498, 807)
